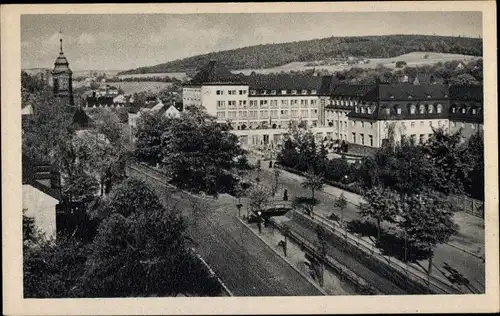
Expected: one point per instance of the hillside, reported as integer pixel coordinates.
(273, 55)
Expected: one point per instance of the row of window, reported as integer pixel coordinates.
(463, 110)
(231, 92)
(265, 114)
(362, 139)
(283, 92)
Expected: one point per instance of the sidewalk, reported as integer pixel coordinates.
(296, 258)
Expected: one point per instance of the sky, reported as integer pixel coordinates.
(120, 41)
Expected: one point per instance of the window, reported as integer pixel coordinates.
(253, 103)
(464, 110)
(313, 91)
(453, 124)
(354, 138)
(362, 138)
(243, 102)
(439, 123)
(221, 104)
(421, 138)
(370, 138)
(304, 91)
(363, 110)
(353, 123)
(263, 102)
(453, 110)
(313, 102)
(413, 138)
(231, 92)
(304, 113)
(284, 102)
(430, 123)
(219, 92)
(356, 109)
(274, 103)
(412, 109)
(473, 111)
(273, 92)
(363, 124)
(231, 114)
(345, 126)
(303, 102)
(283, 91)
(294, 91)
(387, 111)
(264, 114)
(430, 108)
(369, 110)
(371, 125)
(253, 92)
(421, 109)
(398, 110)
(421, 123)
(439, 108)
(412, 124)
(221, 115)
(231, 103)
(243, 92)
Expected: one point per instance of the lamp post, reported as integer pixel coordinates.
(259, 224)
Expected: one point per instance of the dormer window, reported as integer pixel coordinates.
(273, 92)
(369, 110)
(392, 97)
(412, 109)
(463, 110)
(363, 110)
(421, 109)
(264, 92)
(398, 110)
(387, 111)
(439, 108)
(473, 111)
(356, 109)
(253, 92)
(430, 108)
(304, 91)
(453, 110)
(410, 97)
(294, 91)
(283, 91)
(313, 91)
(428, 97)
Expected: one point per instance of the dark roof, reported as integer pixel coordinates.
(37, 173)
(81, 120)
(214, 72)
(179, 106)
(133, 108)
(351, 90)
(466, 92)
(407, 91)
(105, 100)
(283, 82)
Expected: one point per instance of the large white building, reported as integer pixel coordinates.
(261, 108)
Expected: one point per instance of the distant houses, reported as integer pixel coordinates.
(172, 109)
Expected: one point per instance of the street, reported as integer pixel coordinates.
(243, 262)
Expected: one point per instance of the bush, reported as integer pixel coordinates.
(400, 64)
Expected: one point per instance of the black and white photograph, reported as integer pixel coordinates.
(227, 155)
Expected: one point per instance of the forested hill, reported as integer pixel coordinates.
(272, 55)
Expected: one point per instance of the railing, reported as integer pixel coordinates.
(369, 251)
(346, 275)
(468, 205)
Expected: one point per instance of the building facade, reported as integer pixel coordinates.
(260, 109)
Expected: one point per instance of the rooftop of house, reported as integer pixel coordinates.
(214, 72)
(466, 93)
(283, 82)
(41, 175)
(407, 92)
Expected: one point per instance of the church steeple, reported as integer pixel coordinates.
(62, 76)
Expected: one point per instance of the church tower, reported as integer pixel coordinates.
(62, 77)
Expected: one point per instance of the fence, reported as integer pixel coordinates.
(399, 273)
(345, 275)
(468, 205)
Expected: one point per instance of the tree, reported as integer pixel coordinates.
(322, 249)
(148, 135)
(474, 182)
(427, 220)
(400, 64)
(198, 152)
(79, 186)
(258, 197)
(315, 183)
(381, 205)
(341, 203)
(141, 249)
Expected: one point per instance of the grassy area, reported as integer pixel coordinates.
(412, 59)
(134, 87)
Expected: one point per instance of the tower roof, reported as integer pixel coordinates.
(61, 64)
